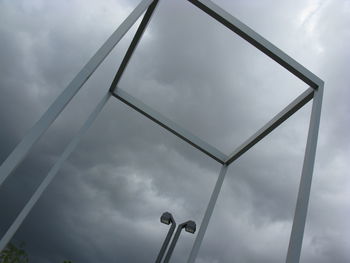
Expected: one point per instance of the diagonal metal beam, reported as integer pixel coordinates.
(295, 105)
(34, 134)
(140, 30)
(52, 173)
(258, 41)
(170, 125)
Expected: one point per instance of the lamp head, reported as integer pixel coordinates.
(166, 218)
(190, 227)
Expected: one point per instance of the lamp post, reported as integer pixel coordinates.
(190, 226)
(166, 218)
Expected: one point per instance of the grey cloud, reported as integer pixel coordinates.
(106, 201)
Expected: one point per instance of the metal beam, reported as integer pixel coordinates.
(258, 41)
(51, 175)
(22, 149)
(299, 102)
(140, 30)
(207, 215)
(297, 233)
(170, 125)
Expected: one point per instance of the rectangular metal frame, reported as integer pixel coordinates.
(315, 93)
(285, 61)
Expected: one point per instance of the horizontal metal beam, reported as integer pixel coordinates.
(170, 125)
(299, 102)
(34, 134)
(258, 41)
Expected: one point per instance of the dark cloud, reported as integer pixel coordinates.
(106, 201)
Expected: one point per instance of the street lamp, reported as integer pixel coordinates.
(166, 218)
(190, 226)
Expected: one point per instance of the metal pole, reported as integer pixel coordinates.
(207, 215)
(22, 149)
(166, 242)
(173, 243)
(50, 176)
(297, 233)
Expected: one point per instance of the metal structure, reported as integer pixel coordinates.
(315, 93)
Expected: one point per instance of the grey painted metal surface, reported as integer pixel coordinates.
(52, 173)
(296, 237)
(258, 41)
(207, 215)
(22, 149)
(295, 105)
(170, 125)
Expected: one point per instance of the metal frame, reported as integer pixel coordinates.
(315, 93)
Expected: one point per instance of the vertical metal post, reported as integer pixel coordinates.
(34, 134)
(50, 176)
(297, 233)
(207, 215)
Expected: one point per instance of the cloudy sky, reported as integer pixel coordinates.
(105, 203)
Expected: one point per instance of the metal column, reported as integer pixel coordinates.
(207, 215)
(296, 237)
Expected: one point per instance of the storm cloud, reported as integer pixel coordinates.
(105, 203)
